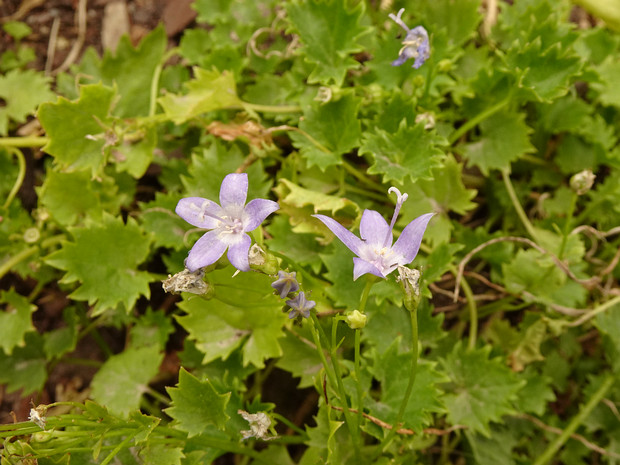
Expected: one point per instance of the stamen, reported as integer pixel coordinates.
(397, 20)
(400, 199)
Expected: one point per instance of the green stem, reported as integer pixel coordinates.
(15, 259)
(515, 202)
(456, 135)
(363, 178)
(334, 378)
(567, 224)
(23, 141)
(155, 80)
(473, 314)
(272, 108)
(555, 445)
(413, 313)
(21, 174)
(291, 425)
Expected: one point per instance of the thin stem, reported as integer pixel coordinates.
(272, 108)
(595, 311)
(23, 141)
(362, 177)
(413, 313)
(456, 135)
(15, 259)
(155, 80)
(291, 425)
(569, 218)
(555, 445)
(473, 314)
(21, 174)
(333, 376)
(515, 202)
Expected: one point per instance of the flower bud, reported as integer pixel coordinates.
(356, 319)
(582, 182)
(31, 235)
(410, 283)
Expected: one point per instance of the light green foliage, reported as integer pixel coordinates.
(86, 146)
(333, 130)
(159, 219)
(504, 138)
(329, 31)
(15, 320)
(130, 70)
(196, 404)
(123, 379)
(25, 368)
(390, 368)
(244, 312)
(208, 91)
(21, 93)
(481, 388)
(410, 153)
(100, 259)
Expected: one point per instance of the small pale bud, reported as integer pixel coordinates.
(356, 319)
(410, 283)
(324, 94)
(31, 235)
(582, 182)
(186, 281)
(427, 118)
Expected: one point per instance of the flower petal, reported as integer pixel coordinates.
(234, 190)
(353, 243)
(238, 253)
(257, 210)
(373, 228)
(206, 251)
(199, 212)
(408, 243)
(361, 267)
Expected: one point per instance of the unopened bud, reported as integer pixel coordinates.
(31, 235)
(410, 283)
(356, 319)
(582, 182)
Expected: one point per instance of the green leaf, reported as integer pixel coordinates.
(244, 311)
(411, 152)
(79, 130)
(15, 320)
(104, 258)
(123, 378)
(151, 328)
(608, 91)
(211, 165)
(481, 389)
(299, 358)
(134, 157)
(392, 370)
(17, 29)
(546, 74)
(21, 92)
(608, 323)
(62, 340)
(329, 33)
(162, 454)
(208, 91)
(333, 125)
(196, 404)
(536, 393)
(447, 188)
(158, 218)
(494, 449)
(459, 18)
(130, 70)
(25, 369)
(72, 197)
(298, 248)
(504, 138)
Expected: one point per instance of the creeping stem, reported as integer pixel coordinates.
(21, 174)
(559, 441)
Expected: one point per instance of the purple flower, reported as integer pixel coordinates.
(416, 44)
(375, 252)
(285, 284)
(228, 223)
(300, 306)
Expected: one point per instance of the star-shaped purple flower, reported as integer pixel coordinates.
(375, 252)
(286, 283)
(229, 222)
(300, 306)
(415, 44)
